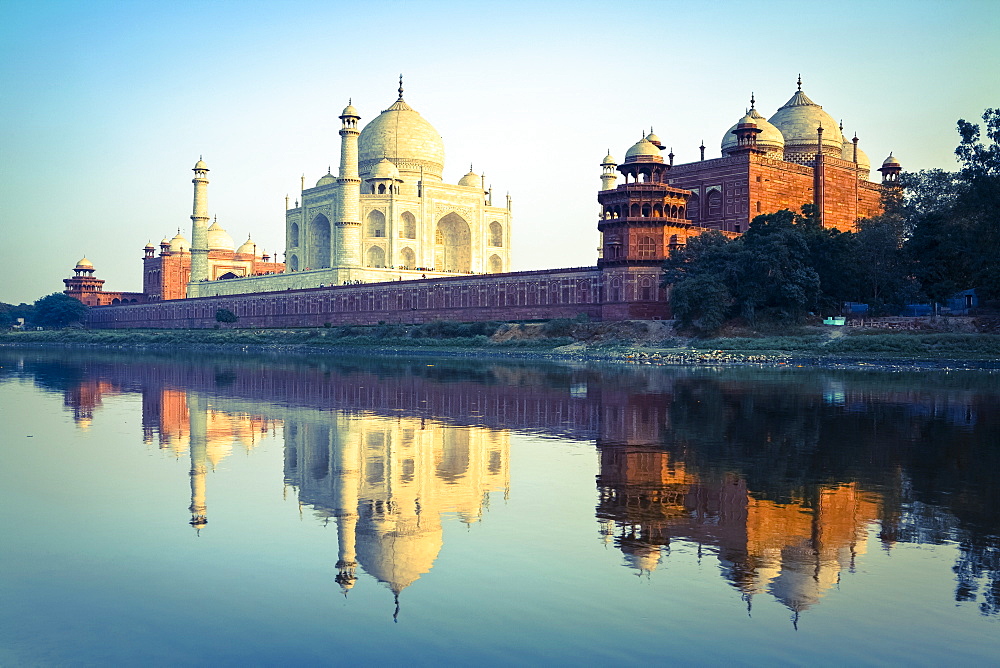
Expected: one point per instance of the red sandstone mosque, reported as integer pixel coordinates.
(388, 241)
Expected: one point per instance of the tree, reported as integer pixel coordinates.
(59, 310)
(226, 316)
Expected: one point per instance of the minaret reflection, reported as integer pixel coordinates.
(198, 412)
(388, 482)
(794, 549)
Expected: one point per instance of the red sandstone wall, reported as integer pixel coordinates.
(536, 295)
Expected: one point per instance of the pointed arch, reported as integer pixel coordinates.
(375, 257)
(376, 224)
(453, 244)
(407, 258)
(318, 247)
(496, 264)
(407, 226)
(496, 234)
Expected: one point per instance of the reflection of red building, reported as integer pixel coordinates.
(794, 551)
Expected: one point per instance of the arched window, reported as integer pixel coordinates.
(381, 189)
(376, 257)
(293, 236)
(646, 211)
(453, 244)
(407, 226)
(376, 224)
(657, 211)
(496, 234)
(634, 211)
(692, 210)
(673, 212)
(496, 264)
(646, 247)
(293, 263)
(714, 203)
(407, 258)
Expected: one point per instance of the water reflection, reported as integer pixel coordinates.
(777, 476)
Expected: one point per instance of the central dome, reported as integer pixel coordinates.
(403, 136)
(798, 119)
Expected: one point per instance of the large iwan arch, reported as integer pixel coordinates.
(453, 245)
(318, 247)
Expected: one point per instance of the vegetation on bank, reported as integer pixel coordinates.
(561, 336)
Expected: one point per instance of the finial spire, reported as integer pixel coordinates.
(753, 102)
(400, 86)
(841, 124)
(799, 82)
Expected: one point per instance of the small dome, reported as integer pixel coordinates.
(891, 161)
(326, 179)
(384, 169)
(642, 150)
(653, 139)
(179, 244)
(165, 241)
(608, 160)
(769, 137)
(200, 165)
(219, 239)
(848, 154)
(149, 246)
(84, 263)
(249, 247)
(349, 110)
(471, 179)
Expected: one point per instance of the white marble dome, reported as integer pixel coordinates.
(326, 180)
(219, 239)
(848, 154)
(642, 150)
(84, 263)
(769, 138)
(384, 169)
(798, 119)
(249, 247)
(403, 136)
(179, 244)
(608, 160)
(471, 179)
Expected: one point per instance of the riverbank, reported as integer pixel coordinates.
(632, 342)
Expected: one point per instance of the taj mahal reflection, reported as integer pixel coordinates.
(683, 461)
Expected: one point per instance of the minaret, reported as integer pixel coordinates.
(199, 225)
(819, 173)
(890, 170)
(198, 416)
(348, 222)
(348, 473)
(608, 172)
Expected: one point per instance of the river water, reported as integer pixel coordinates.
(186, 509)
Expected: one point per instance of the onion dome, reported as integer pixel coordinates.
(608, 160)
(149, 246)
(326, 179)
(891, 161)
(165, 241)
(249, 247)
(848, 154)
(643, 151)
(798, 119)
(471, 180)
(653, 139)
(349, 110)
(84, 263)
(384, 169)
(219, 239)
(769, 138)
(179, 244)
(403, 136)
(200, 165)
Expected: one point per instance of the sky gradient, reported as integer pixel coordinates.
(106, 106)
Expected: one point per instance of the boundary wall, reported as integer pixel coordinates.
(610, 294)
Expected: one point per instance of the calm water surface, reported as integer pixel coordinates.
(235, 510)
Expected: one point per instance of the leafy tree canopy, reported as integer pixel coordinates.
(59, 310)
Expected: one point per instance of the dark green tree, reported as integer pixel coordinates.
(58, 310)
(224, 315)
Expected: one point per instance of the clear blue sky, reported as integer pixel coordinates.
(105, 106)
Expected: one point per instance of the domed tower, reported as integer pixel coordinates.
(608, 176)
(83, 285)
(890, 170)
(348, 222)
(798, 120)
(635, 214)
(767, 141)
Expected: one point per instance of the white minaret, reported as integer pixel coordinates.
(199, 225)
(348, 475)
(608, 175)
(198, 416)
(349, 186)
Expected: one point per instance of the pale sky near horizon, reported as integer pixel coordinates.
(106, 106)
